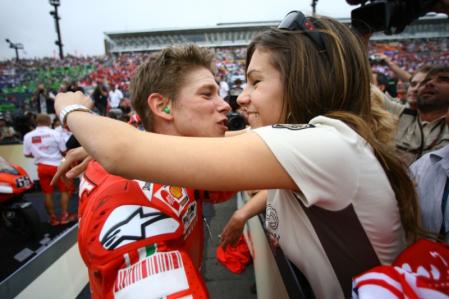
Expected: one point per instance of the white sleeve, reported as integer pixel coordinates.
(26, 145)
(60, 140)
(322, 163)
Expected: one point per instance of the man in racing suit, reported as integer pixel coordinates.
(142, 239)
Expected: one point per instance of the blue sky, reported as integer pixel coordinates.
(84, 21)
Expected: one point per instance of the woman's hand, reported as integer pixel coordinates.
(233, 229)
(70, 98)
(74, 163)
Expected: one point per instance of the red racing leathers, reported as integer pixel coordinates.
(139, 239)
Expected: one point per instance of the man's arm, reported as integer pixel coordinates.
(26, 148)
(387, 103)
(402, 74)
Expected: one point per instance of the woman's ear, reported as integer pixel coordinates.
(160, 106)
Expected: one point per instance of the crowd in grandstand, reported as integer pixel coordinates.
(19, 81)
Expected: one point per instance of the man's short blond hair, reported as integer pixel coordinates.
(165, 72)
(43, 119)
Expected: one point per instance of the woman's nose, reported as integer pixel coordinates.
(243, 98)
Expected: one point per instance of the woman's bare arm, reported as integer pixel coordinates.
(241, 162)
(234, 227)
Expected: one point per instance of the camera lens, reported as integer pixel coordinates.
(236, 121)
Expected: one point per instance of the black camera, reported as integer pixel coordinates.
(236, 121)
(376, 60)
(389, 16)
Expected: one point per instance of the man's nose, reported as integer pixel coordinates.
(224, 106)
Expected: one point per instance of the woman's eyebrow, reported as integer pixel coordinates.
(251, 72)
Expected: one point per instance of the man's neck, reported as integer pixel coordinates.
(431, 116)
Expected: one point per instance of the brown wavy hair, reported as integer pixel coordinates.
(336, 83)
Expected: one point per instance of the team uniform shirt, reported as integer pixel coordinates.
(65, 134)
(345, 219)
(140, 239)
(45, 144)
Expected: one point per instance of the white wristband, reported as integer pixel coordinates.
(75, 107)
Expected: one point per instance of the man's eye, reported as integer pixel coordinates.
(256, 82)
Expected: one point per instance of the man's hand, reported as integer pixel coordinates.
(74, 163)
(70, 98)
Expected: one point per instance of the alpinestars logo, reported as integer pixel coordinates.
(127, 224)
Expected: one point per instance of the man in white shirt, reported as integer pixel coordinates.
(46, 146)
(224, 87)
(115, 96)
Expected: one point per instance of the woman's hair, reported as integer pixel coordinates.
(337, 79)
(383, 123)
(335, 82)
(165, 72)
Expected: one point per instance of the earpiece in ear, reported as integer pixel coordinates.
(167, 110)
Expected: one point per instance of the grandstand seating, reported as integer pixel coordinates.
(128, 50)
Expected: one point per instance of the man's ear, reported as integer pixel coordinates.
(158, 105)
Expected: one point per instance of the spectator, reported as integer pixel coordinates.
(100, 98)
(430, 172)
(125, 106)
(326, 224)
(224, 87)
(46, 147)
(42, 101)
(24, 123)
(237, 88)
(381, 81)
(7, 133)
(115, 96)
(431, 176)
(74, 87)
(423, 130)
(415, 81)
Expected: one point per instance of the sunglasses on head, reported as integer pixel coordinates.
(296, 20)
